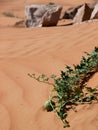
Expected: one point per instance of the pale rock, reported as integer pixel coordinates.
(83, 14)
(94, 14)
(42, 15)
(70, 12)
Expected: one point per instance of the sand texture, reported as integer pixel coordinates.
(40, 50)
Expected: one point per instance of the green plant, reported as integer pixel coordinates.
(70, 90)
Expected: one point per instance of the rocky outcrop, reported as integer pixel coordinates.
(42, 15)
(70, 12)
(83, 14)
(95, 12)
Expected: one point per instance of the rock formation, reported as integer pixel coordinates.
(83, 14)
(42, 15)
(71, 12)
(95, 12)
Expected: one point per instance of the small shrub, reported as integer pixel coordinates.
(70, 90)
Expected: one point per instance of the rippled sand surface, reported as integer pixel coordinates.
(40, 50)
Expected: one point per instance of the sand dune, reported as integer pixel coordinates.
(40, 50)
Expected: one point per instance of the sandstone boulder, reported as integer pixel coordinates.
(83, 14)
(42, 15)
(70, 12)
(94, 14)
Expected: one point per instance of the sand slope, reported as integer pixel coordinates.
(40, 50)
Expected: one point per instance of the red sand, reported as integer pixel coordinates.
(40, 50)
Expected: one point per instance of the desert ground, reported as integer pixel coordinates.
(40, 50)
